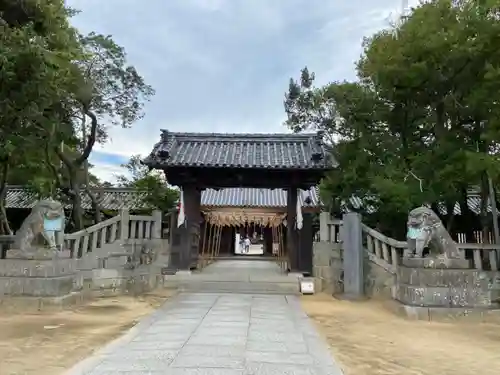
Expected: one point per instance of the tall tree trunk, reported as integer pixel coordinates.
(96, 207)
(94, 201)
(73, 191)
(76, 199)
(74, 166)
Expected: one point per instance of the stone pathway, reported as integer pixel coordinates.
(218, 334)
(241, 266)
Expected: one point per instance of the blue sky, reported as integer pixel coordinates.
(224, 65)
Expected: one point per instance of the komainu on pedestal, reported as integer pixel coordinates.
(427, 232)
(41, 235)
(37, 265)
(434, 278)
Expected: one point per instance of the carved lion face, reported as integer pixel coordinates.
(422, 217)
(51, 209)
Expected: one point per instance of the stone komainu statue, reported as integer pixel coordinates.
(426, 231)
(46, 220)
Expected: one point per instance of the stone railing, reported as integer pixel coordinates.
(387, 252)
(96, 236)
(134, 228)
(329, 229)
(120, 227)
(383, 250)
(481, 254)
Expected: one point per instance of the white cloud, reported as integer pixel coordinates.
(133, 141)
(108, 172)
(224, 65)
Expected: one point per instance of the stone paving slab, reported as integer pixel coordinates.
(219, 334)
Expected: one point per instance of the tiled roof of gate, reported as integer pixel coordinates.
(110, 198)
(123, 198)
(250, 197)
(278, 151)
(473, 202)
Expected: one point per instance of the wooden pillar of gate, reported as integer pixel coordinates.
(176, 236)
(190, 231)
(292, 234)
(268, 241)
(306, 245)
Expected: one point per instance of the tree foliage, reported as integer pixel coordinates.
(37, 50)
(59, 90)
(158, 196)
(421, 124)
(110, 92)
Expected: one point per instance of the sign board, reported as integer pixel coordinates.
(167, 271)
(53, 225)
(276, 247)
(307, 286)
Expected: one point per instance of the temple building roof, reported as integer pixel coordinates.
(250, 197)
(123, 198)
(126, 198)
(256, 151)
(110, 198)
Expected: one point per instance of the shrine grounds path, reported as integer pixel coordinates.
(218, 334)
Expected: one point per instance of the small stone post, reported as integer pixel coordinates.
(161, 247)
(156, 232)
(124, 224)
(324, 217)
(353, 257)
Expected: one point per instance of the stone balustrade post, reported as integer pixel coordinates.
(157, 224)
(353, 255)
(324, 217)
(124, 224)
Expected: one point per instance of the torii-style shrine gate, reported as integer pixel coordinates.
(198, 161)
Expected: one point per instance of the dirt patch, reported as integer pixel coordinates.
(50, 343)
(367, 339)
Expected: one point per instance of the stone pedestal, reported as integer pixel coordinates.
(37, 277)
(429, 283)
(436, 263)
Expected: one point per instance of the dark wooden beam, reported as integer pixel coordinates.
(249, 177)
(292, 237)
(306, 245)
(190, 231)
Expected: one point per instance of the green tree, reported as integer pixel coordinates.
(426, 97)
(37, 50)
(58, 92)
(111, 92)
(158, 195)
(439, 70)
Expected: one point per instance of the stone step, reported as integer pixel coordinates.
(233, 287)
(230, 278)
(443, 277)
(445, 296)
